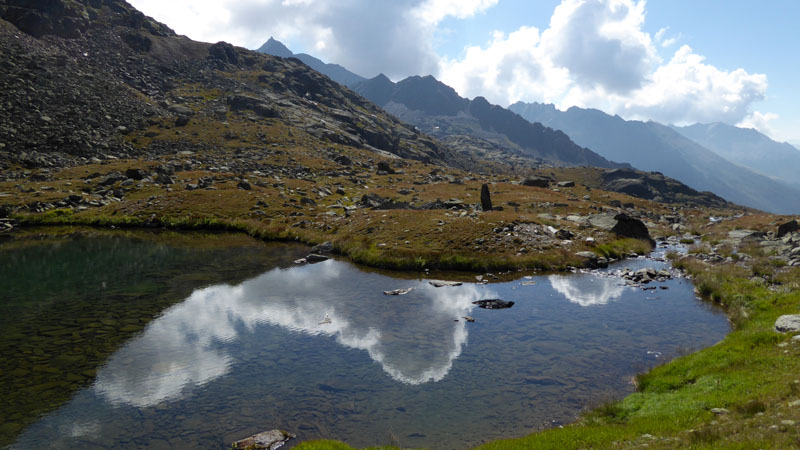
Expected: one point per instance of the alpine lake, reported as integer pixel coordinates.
(151, 340)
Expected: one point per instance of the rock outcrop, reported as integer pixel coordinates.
(632, 228)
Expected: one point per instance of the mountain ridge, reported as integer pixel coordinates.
(749, 148)
(437, 109)
(651, 146)
(335, 72)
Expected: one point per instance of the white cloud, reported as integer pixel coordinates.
(661, 38)
(368, 37)
(434, 11)
(759, 121)
(601, 43)
(511, 67)
(596, 54)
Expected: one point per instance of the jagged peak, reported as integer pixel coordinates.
(275, 47)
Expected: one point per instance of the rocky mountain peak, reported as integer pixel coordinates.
(276, 48)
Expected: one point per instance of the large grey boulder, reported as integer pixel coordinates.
(788, 323)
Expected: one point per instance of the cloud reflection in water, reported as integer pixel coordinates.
(414, 337)
(587, 290)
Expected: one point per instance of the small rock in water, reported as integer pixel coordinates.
(315, 258)
(440, 283)
(269, 440)
(469, 319)
(398, 291)
(301, 261)
(493, 304)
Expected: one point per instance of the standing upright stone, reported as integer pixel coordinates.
(486, 198)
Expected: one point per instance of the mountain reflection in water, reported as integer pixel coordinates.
(185, 347)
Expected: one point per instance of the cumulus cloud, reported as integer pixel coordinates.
(511, 67)
(760, 122)
(596, 54)
(601, 43)
(367, 37)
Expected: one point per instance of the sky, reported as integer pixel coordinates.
(671, 61)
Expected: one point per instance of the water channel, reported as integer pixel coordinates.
(132, 342)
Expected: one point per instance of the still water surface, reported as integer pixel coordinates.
(319, 350)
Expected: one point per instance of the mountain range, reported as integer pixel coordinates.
(709, 157)
(747, 147)
(335, 72)
(652, 146)
(437, 109)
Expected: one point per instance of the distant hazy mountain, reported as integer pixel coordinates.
(437, 109)
(655, 147)
(749, 148)
(335, 72)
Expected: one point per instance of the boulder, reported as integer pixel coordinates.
(603, 221)
(486, 198)
(383, 166)
(224, 52)
(135, 174)
(632, 228)
(370, 200)
(536, 182)
(325, 247)
(566, 184)
(269, 440)
(746, 235)
(180, 110)
(315, 258)
(789, 323)
(343, 160)
(788, 227)
(112, 178)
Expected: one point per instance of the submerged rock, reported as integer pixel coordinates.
(269, 440)
(493, 303)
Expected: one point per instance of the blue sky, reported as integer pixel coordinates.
(675, 61)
